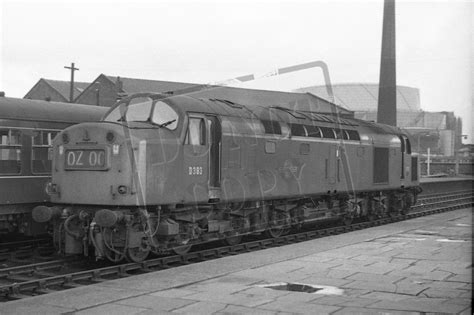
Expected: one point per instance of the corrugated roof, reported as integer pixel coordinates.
(364, 96)
(63, 87)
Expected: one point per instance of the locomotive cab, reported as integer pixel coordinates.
(184, 152)
(122, 159)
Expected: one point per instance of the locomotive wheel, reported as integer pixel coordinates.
(393, 214)
(137, 254)
(233, 240)
(347, 220)
(276, 232)
(406, 206)
(371, 217)
(181, 250)
(113, 256)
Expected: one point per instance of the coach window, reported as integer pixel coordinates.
(41, 157)
(196, 134)
(165, 116)
(10, 151)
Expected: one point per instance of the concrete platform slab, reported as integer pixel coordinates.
(393, 269)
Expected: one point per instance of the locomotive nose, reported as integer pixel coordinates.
(93, 163)
(91, 133)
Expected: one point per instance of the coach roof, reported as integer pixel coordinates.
(34, 110)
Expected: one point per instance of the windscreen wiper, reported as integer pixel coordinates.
(167, 123)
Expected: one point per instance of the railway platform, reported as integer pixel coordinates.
(423, 265)
(433, 185)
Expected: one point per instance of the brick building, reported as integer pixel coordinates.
(105, 90)
(54, 90)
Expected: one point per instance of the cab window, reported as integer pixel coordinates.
(138, 109)
(41, 156)
(196, 134)
(408, 146)
(10, 151)
(165, 116)
(402, 141)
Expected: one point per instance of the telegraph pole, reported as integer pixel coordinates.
(71, 91)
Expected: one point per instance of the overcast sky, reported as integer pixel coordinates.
(208, 41)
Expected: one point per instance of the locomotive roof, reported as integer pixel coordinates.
(221, 107)
(35, 110)
(277, 113)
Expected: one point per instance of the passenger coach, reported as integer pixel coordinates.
(27, 130)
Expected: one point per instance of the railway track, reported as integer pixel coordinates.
(40, 249)
(23, 281)
(26, 251)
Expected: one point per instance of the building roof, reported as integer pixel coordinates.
(130, 85)
(302, 101)
(364, 96)
(63, 87)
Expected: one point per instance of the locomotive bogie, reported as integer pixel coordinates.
(133, 233)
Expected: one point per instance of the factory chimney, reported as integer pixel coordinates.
(387, 101)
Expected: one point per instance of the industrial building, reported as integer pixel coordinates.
(440, 132)
(54, 90)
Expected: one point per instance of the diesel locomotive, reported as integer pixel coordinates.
(27, 129)
(161, 173)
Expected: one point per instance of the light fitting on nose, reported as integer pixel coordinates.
(65, 138)
(110, 137)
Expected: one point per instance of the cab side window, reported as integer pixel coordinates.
(10, 151)
(196, 134)
(41, 157)
(408, 146)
